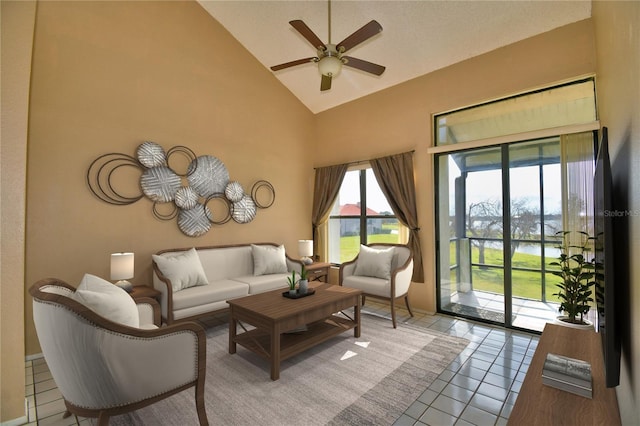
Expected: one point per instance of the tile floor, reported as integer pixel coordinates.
(478, 388)
(527, 314)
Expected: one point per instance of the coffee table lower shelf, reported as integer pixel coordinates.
(259, 341)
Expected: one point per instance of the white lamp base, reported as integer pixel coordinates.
(306, 260)
(125, 285)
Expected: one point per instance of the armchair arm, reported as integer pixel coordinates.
(401, 277)
(161, 360)
(347, 269)
(293, 264)
(148, 312)
(163, 285)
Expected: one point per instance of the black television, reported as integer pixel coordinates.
(607, 321)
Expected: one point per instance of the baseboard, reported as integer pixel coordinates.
(34, 357)
(20, 420)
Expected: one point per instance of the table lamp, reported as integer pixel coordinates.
(305, 249)
(122, 270)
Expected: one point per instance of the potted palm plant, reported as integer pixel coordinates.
(292, 282)
(577, 276)
(303, 284)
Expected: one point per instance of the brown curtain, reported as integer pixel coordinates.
(325, 191)
(395, 177)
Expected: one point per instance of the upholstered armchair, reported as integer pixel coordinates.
(382, 271)
(115, 361)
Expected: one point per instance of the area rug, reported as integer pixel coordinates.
(369, 380)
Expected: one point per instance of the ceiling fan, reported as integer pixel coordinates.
(330, 57)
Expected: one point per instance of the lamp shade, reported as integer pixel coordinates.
(305, 248)
(122, 266)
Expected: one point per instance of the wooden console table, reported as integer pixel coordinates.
(538, 404)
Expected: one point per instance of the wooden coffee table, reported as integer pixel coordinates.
(273, 315)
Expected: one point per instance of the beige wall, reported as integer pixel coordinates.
(108, 76)
(617, 28)
(400, 118)
(18, 20)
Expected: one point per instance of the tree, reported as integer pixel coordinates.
(484, 220)
(524, 222)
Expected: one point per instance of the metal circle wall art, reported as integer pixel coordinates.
(244, 210)
(227, 206)
(100, 174)
(208, 175)
(160, 184)
(150, 154)
(189, 196)
(263, 186)
(195, 222)
(186, 198)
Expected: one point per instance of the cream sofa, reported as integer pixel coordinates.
(197, 282)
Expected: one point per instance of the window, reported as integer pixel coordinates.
(509, 175)
(360, 215)
(564, 105)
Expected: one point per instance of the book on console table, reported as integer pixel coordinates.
(567, 387)
(568, 374)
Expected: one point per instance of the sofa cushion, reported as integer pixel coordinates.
(183, 269)
(223, 263)
(107, 300)
(374, 262)
(370, 285)
(268, 260)
(264, 283)
(214, 292)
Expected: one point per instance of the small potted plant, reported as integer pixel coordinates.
(303, 283)
(292, 282)
(577, 277)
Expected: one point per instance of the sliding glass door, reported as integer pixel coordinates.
(470, 247)
(498, 211)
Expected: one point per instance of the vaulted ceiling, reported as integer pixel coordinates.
(418, 37)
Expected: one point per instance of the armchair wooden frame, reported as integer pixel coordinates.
(103, 414)
(393, 296)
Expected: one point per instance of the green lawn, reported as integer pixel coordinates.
(526, 284)
(350, 246)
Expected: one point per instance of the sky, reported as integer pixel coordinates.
(350, 192)
(481, 186)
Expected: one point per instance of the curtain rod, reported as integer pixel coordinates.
(355, 163)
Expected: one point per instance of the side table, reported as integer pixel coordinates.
(318, 271)
(152, 296)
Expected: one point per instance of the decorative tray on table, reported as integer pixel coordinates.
(298, 295)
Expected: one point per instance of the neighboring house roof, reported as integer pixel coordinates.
(354, 210)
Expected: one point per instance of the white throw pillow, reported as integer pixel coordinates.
(268, 260)
(374, 262)
(107, 300)
(183, 269)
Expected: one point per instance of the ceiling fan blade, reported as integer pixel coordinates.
(308, 34)
(293, 63)
(364, 65)
(325, 84)
(364, 33)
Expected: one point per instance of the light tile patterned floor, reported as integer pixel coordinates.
(478, 388)
(527, 314)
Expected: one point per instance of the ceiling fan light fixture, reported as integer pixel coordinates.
(330, 66)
